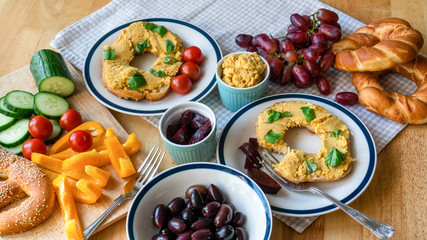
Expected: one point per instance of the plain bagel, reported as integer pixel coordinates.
(377, 46)
(400, 108)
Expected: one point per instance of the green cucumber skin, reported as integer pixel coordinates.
(54, 136)
(9, 113)
(47, 63)
(19, 141)
(9, 106)
(6, 126)
(18, 149)
(37, 111)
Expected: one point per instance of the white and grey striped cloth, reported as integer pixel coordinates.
(223, 20)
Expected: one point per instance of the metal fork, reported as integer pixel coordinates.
(380, 230)
(145, 173)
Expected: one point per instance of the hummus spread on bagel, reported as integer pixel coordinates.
(332, 162)
(130, 82)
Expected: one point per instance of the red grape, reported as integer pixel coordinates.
(291, 56)
(326, 61)
(297, 37)
(307, 20)
(336, 25)
(292, 28)
(299, 22)
(327, 16)
(275, 69)
(265, 43)
(346, 98)
(330, 32)
(286, 45)
(311, 54)
(323, 85)
(244, 40)
(317, 37)
(312, 68)
(268, 58)
(302, 78)
(301, 51)
(252, 49)
(320, 47)
(286, 76)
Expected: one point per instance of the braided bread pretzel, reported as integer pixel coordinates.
(400, 108)
(378, 46)
(40, 202)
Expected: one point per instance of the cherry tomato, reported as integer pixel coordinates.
(40, 127)
(193, 54)
(33, 145)
(191, 70)
(80, 141)
(181, 84)
(70, 119)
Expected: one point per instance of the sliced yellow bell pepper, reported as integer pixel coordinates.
(118, 157)
(73, 228)
(90, 173)
(93, 158)
(132, 145)
(95, 129)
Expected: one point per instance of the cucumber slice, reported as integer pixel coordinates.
(56, 132)
(6, 122)
(50, 105)
(18, 149)
(51, 73)
(19, 101)
(5, 111)
(16, 134)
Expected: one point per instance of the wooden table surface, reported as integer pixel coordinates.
(397, 194)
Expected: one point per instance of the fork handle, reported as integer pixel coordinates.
(91, 228)
(379, 229)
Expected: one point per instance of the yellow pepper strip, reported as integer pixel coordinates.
(98, 176)
(73, 228)
(132, 145)
(118, 157)
(83, 191)
(93, 158)
(95, 129)
(67, 153)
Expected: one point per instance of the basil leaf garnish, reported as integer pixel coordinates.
(308, 113)
(170, 60)
(153, 27)
(141, 46)
(136, 81)
(275, 115)
(336, 133)
(334, 157)
(169, 46)
(311, 166)
(109, 54)
(159, 74)
(272, 137)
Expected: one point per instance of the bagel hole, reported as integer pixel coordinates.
(301, 139)
(144, 61)
(392, 83)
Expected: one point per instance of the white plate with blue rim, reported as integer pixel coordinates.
(241, 127)
(191, 36)
(238, 190)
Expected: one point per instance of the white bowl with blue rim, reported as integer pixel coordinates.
(202, 151)
(238, 189)
(234, 98)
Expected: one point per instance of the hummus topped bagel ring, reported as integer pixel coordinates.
(407, 109)
(332, 162)
(128, 82)
(377, 46)
(39, 204)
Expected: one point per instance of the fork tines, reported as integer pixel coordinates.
(268, 160)
(151, 164)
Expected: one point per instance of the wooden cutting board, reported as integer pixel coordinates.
(91, 110)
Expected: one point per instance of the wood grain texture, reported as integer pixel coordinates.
(396, 195)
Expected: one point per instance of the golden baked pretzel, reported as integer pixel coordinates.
(400, 108)
(40, 202)
(377, 46)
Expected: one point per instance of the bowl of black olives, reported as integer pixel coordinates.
(200, 201)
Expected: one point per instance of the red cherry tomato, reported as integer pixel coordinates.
(193, 54)
(40, 127)
(70, 119)
(191, 70)
(33, 145)
(181, 84)
(80, 141)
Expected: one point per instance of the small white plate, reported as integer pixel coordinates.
(191, 36)
(241, 127)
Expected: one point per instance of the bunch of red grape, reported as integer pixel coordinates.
(303, 54)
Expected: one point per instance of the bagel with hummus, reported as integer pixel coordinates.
(128, 82)
(332, 162)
